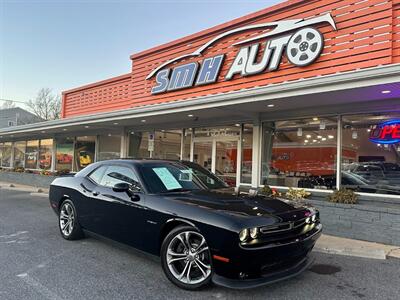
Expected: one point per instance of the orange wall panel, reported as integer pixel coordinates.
(368, 35)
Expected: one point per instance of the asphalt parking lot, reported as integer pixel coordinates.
(36, 263)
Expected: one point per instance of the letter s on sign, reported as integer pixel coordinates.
(161, 82)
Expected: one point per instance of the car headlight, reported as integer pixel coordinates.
(308, 220)
(243, 235)
(254, 232)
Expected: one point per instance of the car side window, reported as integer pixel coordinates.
(118, 174)
(97, 174)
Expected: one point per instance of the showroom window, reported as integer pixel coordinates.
(300, 153)
(109, 147)
(163, 144)
(19, 154)
(31, 154)
(45, 154)
(64, 154)
(247, 153)
(84, 151)
(6, 155)
(371, 153)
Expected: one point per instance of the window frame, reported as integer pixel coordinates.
(132, 168)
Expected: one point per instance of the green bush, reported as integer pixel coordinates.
(344, 196)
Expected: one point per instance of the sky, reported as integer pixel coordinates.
(62, 44)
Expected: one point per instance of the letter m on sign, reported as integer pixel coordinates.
(182, 76)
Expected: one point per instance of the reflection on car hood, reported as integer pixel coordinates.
(228, 202)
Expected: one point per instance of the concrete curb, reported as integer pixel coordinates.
(365, 253)
(44, 195)
(349, 247)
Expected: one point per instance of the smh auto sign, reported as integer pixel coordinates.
(301, 43)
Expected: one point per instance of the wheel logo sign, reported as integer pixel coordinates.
(304, 46)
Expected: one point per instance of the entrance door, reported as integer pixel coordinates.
(219, 155)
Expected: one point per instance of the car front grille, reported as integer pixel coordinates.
(287, 226)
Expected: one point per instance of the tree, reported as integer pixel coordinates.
(8, 104)
(46, 105)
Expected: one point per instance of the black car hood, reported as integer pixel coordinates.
(228, 202)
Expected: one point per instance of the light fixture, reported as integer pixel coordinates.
(330, 136)
(64, 129)
(115, 123)
(86, 126)
(190, 116)
(143, 121)
(322, 125)
(43, 131)
(386, 92)
(237, 125)
(305, 141)
(314, 141)
(319, 137)
(315, 119)
(109, 134)
(254, 232)
(308, 136)
(354, 135)
(271, 105)
(323, 139)
(243, 235)
(368, 130)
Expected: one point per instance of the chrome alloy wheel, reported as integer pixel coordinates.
(67, 218)
(188, 257)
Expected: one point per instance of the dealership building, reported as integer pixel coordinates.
(301, 94)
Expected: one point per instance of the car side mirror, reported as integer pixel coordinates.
(121, 187)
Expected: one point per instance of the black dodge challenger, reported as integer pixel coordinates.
(202, 230)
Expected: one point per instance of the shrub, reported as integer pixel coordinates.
(344, 196)
(270, 192)
(297, 194)
(63, 172)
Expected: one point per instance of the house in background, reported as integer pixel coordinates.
(17, 116)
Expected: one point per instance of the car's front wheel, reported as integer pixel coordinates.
(68, 221)
(186, 258)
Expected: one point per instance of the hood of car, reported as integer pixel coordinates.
(226, 201)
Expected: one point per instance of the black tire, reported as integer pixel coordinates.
(204, 255)
(75, 232)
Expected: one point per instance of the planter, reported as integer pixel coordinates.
(375, 223)
(36, 180)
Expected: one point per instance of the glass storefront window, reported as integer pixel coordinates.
(109, 147)
(247, 153)
(216, 149)
(371, 153)
(164, 144)
(300, 153)
(31, 154)
(45, 153)
(6, 155)
(84, 151)
(19, 154)
(64, 154)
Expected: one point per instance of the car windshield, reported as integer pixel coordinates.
(168, 177)
(207, 178)
(171, 177)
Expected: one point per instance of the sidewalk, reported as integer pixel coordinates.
(326, 244)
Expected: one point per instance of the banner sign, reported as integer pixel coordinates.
(301, 43)
(386, 133)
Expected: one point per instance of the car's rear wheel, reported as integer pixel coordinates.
(68, 221)
(186, 258)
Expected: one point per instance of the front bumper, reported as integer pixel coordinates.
(271, 278)
(271, 263)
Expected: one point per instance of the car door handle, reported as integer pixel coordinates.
(95, 193)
